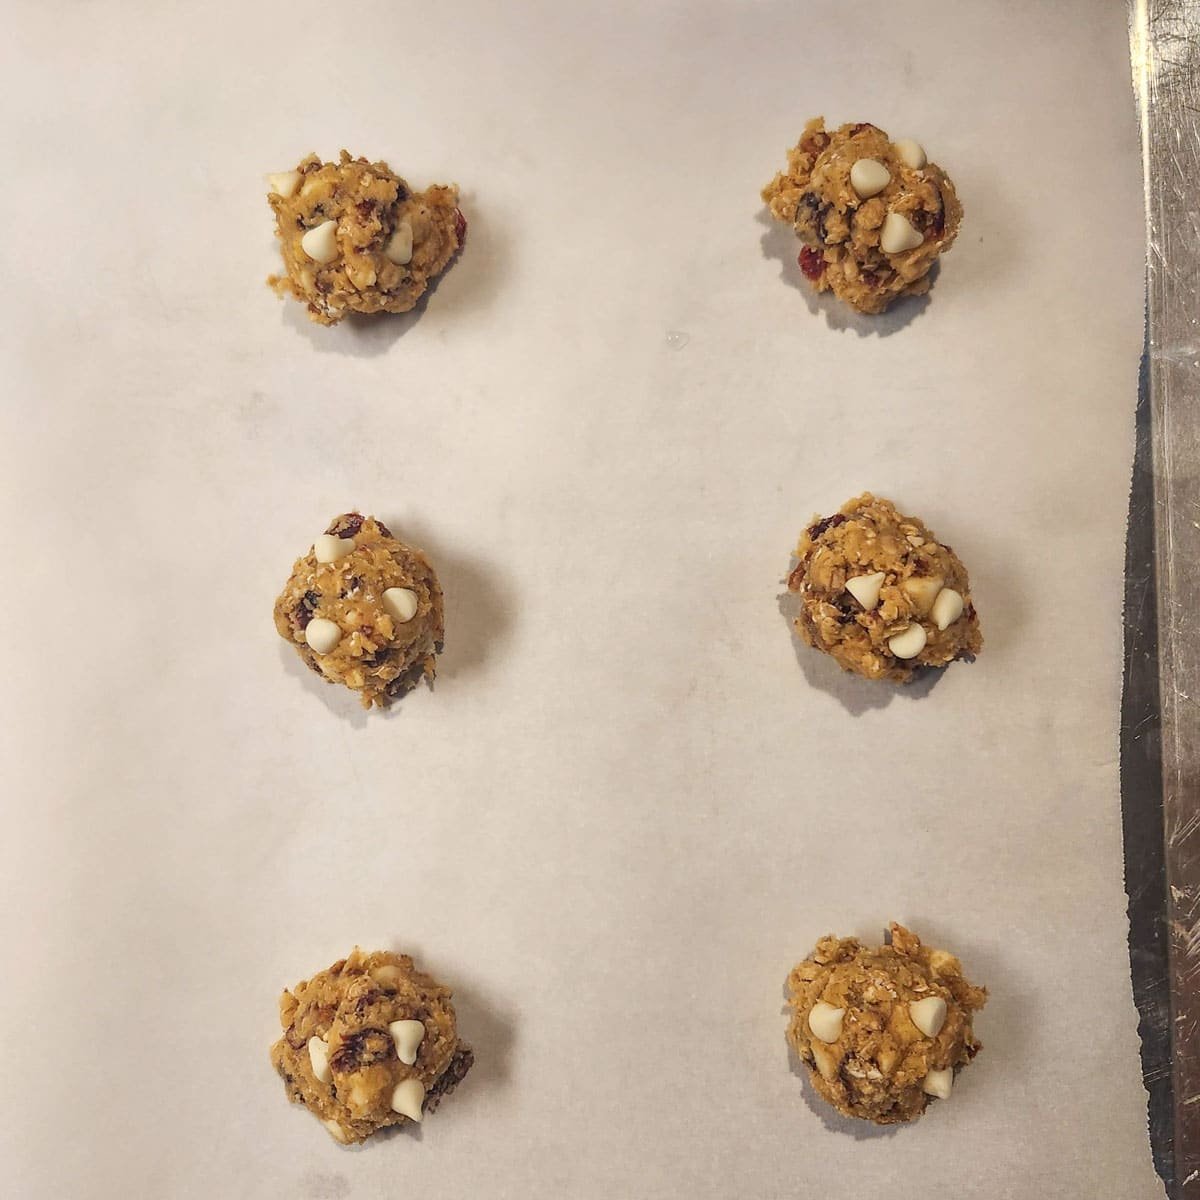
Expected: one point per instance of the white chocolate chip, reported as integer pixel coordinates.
(928, 1015)
(407, 1035)
(329, 547)
(322, 635)
(947, 608)
(318, 1055)
(399, 245)
(865, 589)
(910, 153)
(922, 591)
(868, 177)
(284, 183)
(908, 643)
(320, 242)
(400, 604)
(825, 1022)
(938, 1083)
(898, 235)
(407, 1099)
(336, 1131)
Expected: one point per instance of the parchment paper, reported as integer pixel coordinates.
(627, 807)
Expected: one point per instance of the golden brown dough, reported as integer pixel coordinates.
(857, 1018)
(920, 615)
(345, 1032)
(371, 618)
(356, 238)
(843, 231)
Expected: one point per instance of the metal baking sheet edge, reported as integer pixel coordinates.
(1160, 726)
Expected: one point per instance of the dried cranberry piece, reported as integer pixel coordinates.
(460, 225)
(365, 1001)
(363, 1049)
(451, 1077)
(366, 209)
(858, 128)
(811, 263)
(815, 531)
(870, 278)
(304, 611)
(347, 525)
(384, 529)
(939, 218)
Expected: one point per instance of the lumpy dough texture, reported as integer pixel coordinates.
(877, 1066)
(377, 654)
(349, 1008)
(841, 232)
(867, 538)
(368, 204)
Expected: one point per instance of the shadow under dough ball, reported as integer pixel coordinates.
(368, 1043)
(356, 238)
(883, 1030)
(873, 214)
(363, 609)
(881, 595)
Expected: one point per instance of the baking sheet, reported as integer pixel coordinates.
(1160, 753)
(627, 807)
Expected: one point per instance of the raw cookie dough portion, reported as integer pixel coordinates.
(355, 237)
(371, 1042)
(881, 594)
(363, 609)
(882, 1030)
(873, 214)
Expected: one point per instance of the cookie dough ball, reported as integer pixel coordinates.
(356, 238)
(873, 214)
(881, 594)
(882, 1030)
(371, 1042)
(363, 609)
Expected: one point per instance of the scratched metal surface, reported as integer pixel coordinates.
(1161, 614)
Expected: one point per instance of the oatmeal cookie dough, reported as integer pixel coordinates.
(882, 1030)
(363, 609)
(356, 238)
(881, 594)
(368, 1043)
(873, 214)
